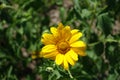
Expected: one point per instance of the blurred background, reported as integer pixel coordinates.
(22, 23)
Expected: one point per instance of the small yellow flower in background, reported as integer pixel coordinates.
(63, 45)
(35, 55)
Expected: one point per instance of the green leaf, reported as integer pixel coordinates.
(20, 31)
(105, 23)
(112, 77)
(9, 72)
(55, 75)
(85, 13)
(62, 13)
(91, 54)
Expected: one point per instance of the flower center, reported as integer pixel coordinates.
(63, 47)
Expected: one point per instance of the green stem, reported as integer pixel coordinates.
(70, 74)
(93, 44)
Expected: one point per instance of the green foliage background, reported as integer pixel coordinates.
(22, 23)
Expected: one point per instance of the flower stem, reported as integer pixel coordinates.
(70, 74)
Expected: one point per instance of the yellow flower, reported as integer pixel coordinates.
(63, 45)
(35, 55)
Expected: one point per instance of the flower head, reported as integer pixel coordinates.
(63, 45)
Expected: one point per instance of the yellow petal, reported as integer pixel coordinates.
(53, 58)
(59, 59)
(54, 31)
(60, 26)
(69, 59)
(78, 44)
(49, 48)
(73, 55)
(50, 55)
(48, 39)
(65, 64)
(46, 35)
(35, 55)
(74, 31)
(75, 37)
(66, 33)
(80, 51)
